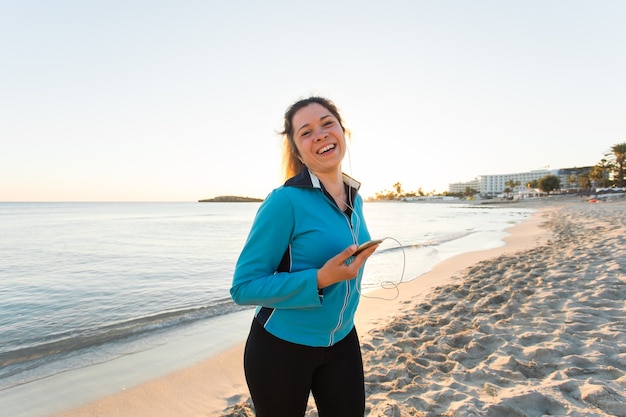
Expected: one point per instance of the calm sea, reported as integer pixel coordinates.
(80, 280)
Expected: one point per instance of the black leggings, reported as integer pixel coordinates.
(281, 374)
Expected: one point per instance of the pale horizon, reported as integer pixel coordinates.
(144, 101)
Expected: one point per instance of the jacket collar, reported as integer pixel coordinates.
(307, 179)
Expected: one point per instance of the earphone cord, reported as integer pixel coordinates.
(387, 285)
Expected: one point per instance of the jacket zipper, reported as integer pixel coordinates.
(347, 282)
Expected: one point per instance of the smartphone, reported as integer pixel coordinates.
(366, 245)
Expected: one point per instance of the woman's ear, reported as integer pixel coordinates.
(295, 152)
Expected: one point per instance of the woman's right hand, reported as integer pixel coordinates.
(338, 268)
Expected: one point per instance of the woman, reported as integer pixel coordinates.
(298, 267)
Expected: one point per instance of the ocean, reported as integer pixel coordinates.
(84, 283)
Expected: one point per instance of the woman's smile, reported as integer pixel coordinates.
(327, 148)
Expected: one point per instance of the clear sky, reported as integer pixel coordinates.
(181, 100)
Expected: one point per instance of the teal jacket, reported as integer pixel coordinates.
(296, 230)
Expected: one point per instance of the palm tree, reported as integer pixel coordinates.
(572, 179)
(599, 172)
(597, 176)
(584, 180)
(619, 152)
(398, 187)
(511, 185)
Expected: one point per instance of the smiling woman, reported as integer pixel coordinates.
(319, 134)
(299, 268)
(315, 138)
(292, 160)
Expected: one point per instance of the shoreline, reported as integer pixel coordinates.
(214, 384)
(162, 354)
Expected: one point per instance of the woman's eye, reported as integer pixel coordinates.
(329, 123)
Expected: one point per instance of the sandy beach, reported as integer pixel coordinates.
(537, 332)
(532, 328)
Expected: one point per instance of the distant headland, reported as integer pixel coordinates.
(231, 199)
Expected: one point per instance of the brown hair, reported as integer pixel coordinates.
(291, 162)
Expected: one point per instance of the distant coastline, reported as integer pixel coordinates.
(231, 199)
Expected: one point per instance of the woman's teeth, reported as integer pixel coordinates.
(325, 149)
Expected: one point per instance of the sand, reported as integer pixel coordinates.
(540, 332)
(536, 327)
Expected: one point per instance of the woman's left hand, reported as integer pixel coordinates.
(338, 269)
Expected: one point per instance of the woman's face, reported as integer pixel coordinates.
(319, 138)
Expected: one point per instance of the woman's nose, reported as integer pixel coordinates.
(321, 134)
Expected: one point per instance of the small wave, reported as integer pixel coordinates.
(71, 342)
(435, 242)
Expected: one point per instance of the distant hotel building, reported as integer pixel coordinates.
(461, 187)
(494, 185)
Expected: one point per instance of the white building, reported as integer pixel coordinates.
(461, 187)
(493, 185)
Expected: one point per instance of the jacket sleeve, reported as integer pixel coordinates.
(256, 280)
